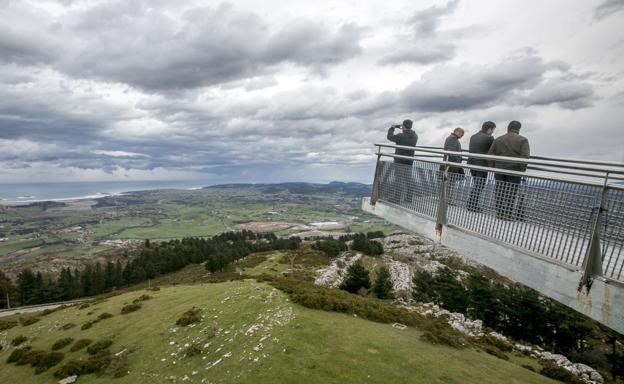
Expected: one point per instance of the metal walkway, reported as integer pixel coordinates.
(560, 230)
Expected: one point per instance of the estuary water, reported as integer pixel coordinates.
(12, 193)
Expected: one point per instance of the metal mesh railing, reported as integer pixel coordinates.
(612, 236)
(550, 217)
(414, 187)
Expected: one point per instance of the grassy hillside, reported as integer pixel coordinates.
(249, 333)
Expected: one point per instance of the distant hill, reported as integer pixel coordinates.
(335, 187)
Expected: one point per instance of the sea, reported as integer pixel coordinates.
(32, 192)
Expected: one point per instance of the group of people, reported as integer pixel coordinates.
(511, 144)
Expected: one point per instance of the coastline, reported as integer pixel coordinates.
(66, 196)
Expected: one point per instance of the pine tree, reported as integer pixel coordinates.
(6, 289)
(357, 278)
(383, 284)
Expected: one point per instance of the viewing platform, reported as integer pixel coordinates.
(559, 231)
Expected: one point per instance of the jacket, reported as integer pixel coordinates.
(407, 138)
(510, 144)
(480, 143)
(452, 144)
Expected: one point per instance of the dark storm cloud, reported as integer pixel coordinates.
(423, 44)
(464, 87)
(129, 42)
(607, 8)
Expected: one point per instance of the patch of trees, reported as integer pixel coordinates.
(153, 260)
(519, 312)
(361, 242)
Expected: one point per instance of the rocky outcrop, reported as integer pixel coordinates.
(332, 275)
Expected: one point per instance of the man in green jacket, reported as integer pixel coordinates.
(511, 144)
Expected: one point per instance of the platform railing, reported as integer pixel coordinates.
(567, 211)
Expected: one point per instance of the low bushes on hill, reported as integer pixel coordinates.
(130, 308)
(99, 346)
(25, 321)
(62, 343)
(40, 360)
(68, 326)
(17, 340)
(80, 344)
(558, 373)
(94, 364)
(141, 298)
(104, 316)
(7, 324)
(189, 317)
(327, 299)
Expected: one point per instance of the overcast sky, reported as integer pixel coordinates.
(265, 91)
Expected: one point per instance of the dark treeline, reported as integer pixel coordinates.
(153, 260)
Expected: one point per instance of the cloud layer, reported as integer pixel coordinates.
(144, 89)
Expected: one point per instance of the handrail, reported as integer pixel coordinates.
(560, 159)
(517, 160)
(508, 172)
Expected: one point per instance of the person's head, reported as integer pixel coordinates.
(514, 126)
(488, 127)
(459, 132)
(407, 124)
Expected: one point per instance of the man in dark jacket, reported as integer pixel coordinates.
(455, 173)
(407, 137)
(511, 144)
(480, 143)
(397, 176)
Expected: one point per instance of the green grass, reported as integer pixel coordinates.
(299, 345)
(12, 246)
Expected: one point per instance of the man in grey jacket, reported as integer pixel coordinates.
(480, 143)
(511, 144)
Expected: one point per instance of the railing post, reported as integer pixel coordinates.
(442, 205)
(376, 181)
(592, 264)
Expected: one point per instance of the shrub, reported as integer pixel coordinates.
(130, 308)
(25, 321)
(357, 277)
(192, 350)
(495, 352)
(99, 346)
(47, 361)
(86, 325)
(62, 343)
(527, 366)
(104, 316)
(141, 298)
(68, 326)
(41, 360)
(438, 332)
(191, 316)
(84, 305)
(94, 364)
(7, 324)
(78, 345)
(17, 340)
(558, 373)
(20, 355)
